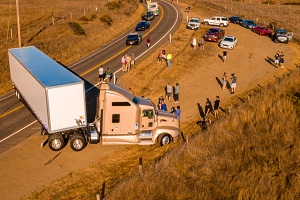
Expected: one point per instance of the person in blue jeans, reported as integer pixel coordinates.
(169, 57)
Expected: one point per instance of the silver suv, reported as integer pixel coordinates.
(217, 21)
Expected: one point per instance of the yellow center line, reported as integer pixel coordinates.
(97, 66)
(11, 111)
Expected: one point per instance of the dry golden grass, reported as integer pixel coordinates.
(252, 153)
(58, 41)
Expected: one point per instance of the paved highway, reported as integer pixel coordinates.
(16, 121)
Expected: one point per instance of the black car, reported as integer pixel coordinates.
(142, 26)
(149, 16)
(235, 19)
(133, 38)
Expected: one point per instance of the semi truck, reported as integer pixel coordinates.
(57, 98)
(153, 6)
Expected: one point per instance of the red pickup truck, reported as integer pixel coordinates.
(214, 34)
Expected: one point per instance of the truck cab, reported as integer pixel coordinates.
(123, 118)
(153, 6)
(281, 35)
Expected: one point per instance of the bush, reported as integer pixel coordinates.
(269, 2)
(114, 5)
(93, 17)
(77, 29)
(84, 18)
(106, 19)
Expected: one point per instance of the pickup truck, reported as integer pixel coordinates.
(217, 21)
(214, 34)
(194, 23)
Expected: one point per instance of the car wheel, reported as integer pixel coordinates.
(221, 25)
(275, 40)
(287, 41)
(77, 142)
(206, 23)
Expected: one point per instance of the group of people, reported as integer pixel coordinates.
(163, 106)
(209, 109)
(233, 82)
(128, 62)
(200, 44)
(279, 59)
(163, 56)
(172, 90)
(104, 75)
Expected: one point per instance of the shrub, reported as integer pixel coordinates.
(114, 5)
(93, 17)
(84, 18)
(106, 19)
(77, 29)
(269, 2)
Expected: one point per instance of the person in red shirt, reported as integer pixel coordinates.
(148, 42)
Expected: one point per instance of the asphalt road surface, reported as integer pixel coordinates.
(16, 121)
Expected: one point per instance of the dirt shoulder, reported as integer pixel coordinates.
(24, 167)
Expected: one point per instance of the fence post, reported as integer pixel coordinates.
(170, 38)
(141, 165)
(52, 21)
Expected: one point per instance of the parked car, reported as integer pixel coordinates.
(214, 34)
(142, 26)
(133, 38)
(228, 42)
(281, 35)
(248, 24)
(194, 23)
(149, 16)
(235, 19)
(262, 30)
(217, 21)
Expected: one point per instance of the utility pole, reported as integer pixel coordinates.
(18, 22)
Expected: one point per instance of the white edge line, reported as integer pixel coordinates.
(7, 97)
(18, 131)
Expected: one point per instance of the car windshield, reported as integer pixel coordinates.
(132, 36)
(141, 23)
(250, 22)
(194, 20)
(228, 39)
(213, 30)
(224, 18)
(281, 32)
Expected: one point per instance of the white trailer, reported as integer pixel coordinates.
(54, 95)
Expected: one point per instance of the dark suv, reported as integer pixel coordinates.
(149, 16)
(214, 34)
(235, 19)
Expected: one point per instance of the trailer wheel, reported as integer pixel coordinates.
(77, 142)
(56, 142)
(164, 139)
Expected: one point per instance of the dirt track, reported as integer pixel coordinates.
(23, 168)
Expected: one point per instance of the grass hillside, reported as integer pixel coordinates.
(251, 153)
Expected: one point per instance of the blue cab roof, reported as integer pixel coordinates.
(47, 71)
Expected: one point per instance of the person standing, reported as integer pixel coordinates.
(163, 52)
(148, 42)
(169, 91)
(233, 84)
(164, 106)
(169, 57)
(216, 106)
(281, 60)
(132, 62)
(123, 62)
(101, 72)
(178, 112)
(224, 81)
(159, 57)
(194, 43)
(127, 63)
(176, 93)
(224, 55)
(208, 110)
(276, 59)
(202, 43)
(108, 75)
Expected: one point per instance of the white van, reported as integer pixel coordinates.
(153, 6)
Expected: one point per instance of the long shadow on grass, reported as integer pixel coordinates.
(200, 109)
(219, 82)
(270, 61)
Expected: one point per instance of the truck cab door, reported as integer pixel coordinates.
(147, 122)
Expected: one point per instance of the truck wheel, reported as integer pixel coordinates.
(164, 139)
(56, 142)
(77, 142)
